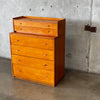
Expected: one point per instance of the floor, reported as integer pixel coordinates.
(75, 86)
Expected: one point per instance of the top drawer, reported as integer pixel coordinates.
(38, 25)
(35, 23)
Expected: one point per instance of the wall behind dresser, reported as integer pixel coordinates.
(76, 12)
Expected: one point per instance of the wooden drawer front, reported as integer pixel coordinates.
(31, 74)
(33, 62)
(32, 52)
(36, 30)
(32, 41)
(34, 23)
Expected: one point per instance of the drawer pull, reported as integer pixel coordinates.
(45, 76)
(17, 40)
(20, 28)
(17, 50)
(45, 43)
(20, 23)
(19, 70)
(45, 54)
(17, 59)
(48, 25)
(48, 31)
(45, 64)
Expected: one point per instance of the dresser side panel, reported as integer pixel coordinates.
(59, 58)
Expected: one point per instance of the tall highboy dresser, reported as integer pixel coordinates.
(38, 49)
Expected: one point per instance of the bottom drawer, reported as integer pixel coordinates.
(39, 76)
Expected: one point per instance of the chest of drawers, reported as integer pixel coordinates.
(38, 49)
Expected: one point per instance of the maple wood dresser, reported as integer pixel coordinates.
(38, 49)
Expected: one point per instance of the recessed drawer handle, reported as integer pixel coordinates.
(20, 28)
(48, 31)
(19, 70)
(45, 43)
(45, 76)
(45, 54)
(48, 25)
(17, 50)
(45, 64)
(18, 60)
(20, 23)
(17, 40)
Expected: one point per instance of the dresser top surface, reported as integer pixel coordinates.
(33, 35)
(44, 19)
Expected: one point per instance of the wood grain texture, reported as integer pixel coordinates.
(11, 53)
(36, 23)
(33, 30)
(36, 42)
(33, 62)
(28, 73)
(61, 28)
(32, 52)
(39, 25)
(59, 58)
(38, 49)
(33, 35)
